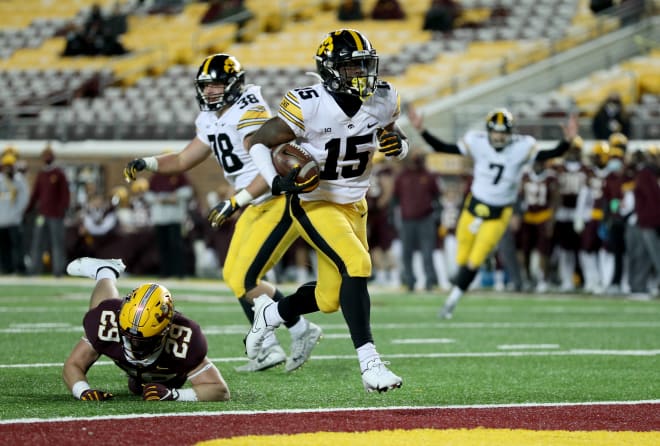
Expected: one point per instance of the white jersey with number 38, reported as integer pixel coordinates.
(225, 135)
(342, 145)
(497, 175)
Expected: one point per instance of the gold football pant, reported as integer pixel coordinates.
(262, 235)
(338, 234)
(477, 238)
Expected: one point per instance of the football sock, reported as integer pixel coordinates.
(247, 308)
(278, 296)
(303, 301)
(454, 295)
(366, 353)
(106, 273)
(465, 277)
(356, 309)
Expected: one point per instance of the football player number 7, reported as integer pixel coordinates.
(499, 168)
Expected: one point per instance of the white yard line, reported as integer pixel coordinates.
(498, 354)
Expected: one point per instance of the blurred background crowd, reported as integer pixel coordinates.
(102, 72)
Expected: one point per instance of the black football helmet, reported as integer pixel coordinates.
(219, 69)
(347, 63)
(500, 121)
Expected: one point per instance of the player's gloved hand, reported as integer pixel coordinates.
(287, 184)
(222, 211)
(95, 395)
(133, 167)
(158, 392)
(390, 143)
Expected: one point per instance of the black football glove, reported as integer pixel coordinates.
(158, 392)
(95, 395)
(287, 184)
(390, 142)
(222, 211)
(132, 168)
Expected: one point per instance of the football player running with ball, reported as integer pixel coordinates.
(499, 157)
(341, 121)
(231, 112)
(158, 348)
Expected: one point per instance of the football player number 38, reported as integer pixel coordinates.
(177, 342)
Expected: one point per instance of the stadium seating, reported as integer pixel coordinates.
(423, 65)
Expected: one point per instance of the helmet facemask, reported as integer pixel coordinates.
(216, 100)
(140, 349)
(356, 76)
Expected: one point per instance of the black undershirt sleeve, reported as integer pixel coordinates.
(561, 148)
(440, 146)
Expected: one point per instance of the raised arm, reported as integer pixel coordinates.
(417, 121)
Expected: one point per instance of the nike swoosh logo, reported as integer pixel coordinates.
(371, 124)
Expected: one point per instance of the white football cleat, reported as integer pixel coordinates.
(89, 266)
(260, 327)
(378, 378)
(447, 311)
(301, 347)
(267, 358)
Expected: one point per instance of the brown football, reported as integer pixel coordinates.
(287, 156)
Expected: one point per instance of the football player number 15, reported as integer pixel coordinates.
(330, 170)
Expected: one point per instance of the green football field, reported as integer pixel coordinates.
(498, 349)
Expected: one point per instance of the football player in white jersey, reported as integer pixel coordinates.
(341, 121)
(230, 114)
(499, 156)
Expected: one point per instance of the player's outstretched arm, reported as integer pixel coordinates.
(570, 131)
(417, 121)
(193, 154)
(74, 373)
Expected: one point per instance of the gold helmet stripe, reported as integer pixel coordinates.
(500, 118)
(207, 62)
(358, 41)
(143, 303)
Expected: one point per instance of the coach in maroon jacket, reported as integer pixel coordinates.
(50, 196)
(647, 210)
(417, 193)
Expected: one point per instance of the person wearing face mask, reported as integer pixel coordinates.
(14, 193)
(539, 200)
(611, 118)
(417, 195)
(617, 182)
(51, 198)
(499, 157)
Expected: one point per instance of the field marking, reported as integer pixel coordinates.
(526, 346)
(241, 329)
(320, 410)
(500, 354)
(423, 341)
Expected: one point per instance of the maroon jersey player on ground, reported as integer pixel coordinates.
(158, 348)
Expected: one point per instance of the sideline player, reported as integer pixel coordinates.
(499, 156)
(230, 113)
(341, 121)
(158, 347)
